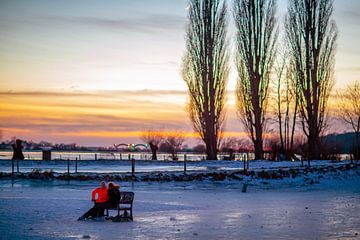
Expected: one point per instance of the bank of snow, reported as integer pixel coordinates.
(288, 176)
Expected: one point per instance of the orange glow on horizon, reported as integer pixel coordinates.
(104, 115)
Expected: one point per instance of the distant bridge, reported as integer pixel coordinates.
(131, 146)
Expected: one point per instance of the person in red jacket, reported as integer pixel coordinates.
(100, 197)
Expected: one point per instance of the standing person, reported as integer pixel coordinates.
(17, 150)
(17, 154)
(100, 197)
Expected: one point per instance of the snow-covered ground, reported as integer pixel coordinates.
(108, 166)
(189, 210)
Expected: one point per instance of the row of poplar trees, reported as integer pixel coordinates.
(310, 42)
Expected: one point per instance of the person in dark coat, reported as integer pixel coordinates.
(17, 150)
(114, 195)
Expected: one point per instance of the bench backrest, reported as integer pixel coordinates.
(126, 197)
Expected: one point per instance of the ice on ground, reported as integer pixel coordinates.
(195, 210)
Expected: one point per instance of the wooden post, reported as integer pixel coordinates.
(244, 188)
(133, 167)
(68, 167)
(120, 156)
(184, 163)
(247, 163)
(95, 156)
(76, 164)
(244, 159)
(12, 166)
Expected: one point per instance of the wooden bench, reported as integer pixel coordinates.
(125, 204)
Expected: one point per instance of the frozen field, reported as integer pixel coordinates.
(109, 166)
(192, 210)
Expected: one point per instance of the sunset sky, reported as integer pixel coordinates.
(100, 72)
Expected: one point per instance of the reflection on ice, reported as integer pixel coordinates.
(172, 211)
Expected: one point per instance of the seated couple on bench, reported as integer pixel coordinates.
(108, 197)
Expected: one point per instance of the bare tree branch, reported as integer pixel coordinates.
(205, 70)
(349, 111)
(311, 39)
(153, 138)
(256, 49)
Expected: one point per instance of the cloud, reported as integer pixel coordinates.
(72, 115)
(98, 93)
(349, 69)
(61, 113)
(152, 23)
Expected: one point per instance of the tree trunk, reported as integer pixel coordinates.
(357, 146)
(154, 149)
(258, 150)
(314, 147)
(211, 150)
(258, 143)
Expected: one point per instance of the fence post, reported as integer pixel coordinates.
(133, 167)
(247, 164)
(184, 163)
(17, 165)
(244, 159)
(76, 164)
(12, 167)
(68, 167)
(95, 156)
(120, 156)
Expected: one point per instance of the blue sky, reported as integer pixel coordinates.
(124, 44)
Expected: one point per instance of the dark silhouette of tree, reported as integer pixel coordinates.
(349, 112)
(153, 138)
(230, 145)
(311, 39)
(200, 148)
(174, 140)
(287, 109)
(255, 41)
(205, 70)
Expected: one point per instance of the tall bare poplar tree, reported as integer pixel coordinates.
(311, 38)
(205, 70)
(255, 41)
(287, 108)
